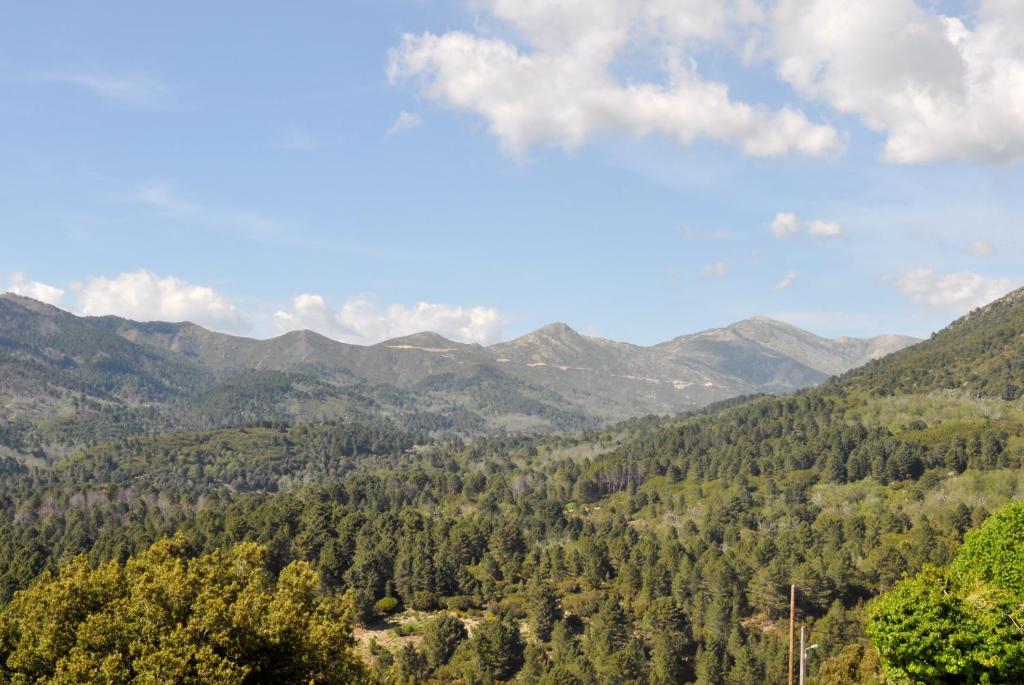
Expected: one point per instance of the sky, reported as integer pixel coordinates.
(638, 169)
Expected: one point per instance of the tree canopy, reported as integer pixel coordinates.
(163, 617)
(964, 623)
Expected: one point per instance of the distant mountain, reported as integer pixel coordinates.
(54, 366)
(761, 337)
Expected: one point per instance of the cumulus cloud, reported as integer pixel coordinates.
(144, 296)
(784, 225)
(363, 321)
(787, 280)
(406, 121)
(555, 72)
(824, 229)
(960, 291)
(20, 285)
(562, 86)
(938, 87)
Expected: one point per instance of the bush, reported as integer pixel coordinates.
(459, 603)
(386, 606)
(424, 601)
(406, 629)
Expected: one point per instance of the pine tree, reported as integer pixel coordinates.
(542, 610)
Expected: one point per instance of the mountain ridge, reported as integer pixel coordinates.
(553, 377)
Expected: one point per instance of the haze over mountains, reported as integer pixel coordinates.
(55, 364)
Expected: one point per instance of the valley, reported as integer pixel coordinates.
(658, 549)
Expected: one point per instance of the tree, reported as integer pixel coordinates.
(410, 665)
(994, 553)
(962, 623)
(542, 610)
(441, 637)
(497, 647)
(669, 642)
(163, 617)
(856, 664)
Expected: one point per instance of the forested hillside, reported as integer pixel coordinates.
(655, 551)
(982, 353)
(67, 381)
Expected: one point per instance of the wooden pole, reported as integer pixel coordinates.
(792, 629)
(803, 657)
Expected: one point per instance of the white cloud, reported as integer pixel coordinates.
(787, 280)
(562, 87)
(557, 72)
(960, 291)
(715, 270)
(824, 229)
(144, 296)
(362, 321)
(20, 285)
(136, 89)
(980, 248)
(938, 87)
(784, 225)
(406, 121)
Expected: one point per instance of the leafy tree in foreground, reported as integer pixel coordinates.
(964, 624)
(162, 617)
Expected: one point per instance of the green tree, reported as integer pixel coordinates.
(162, 617)
(542, 610)
(497, 647)
(962, 624)
(441, 637)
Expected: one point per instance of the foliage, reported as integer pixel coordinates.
(164, 617)
(441, 637)
(656, 551)
(963, 623)
(994, 553)
(982, 353)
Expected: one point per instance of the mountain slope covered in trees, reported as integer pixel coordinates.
(654, 551)
(66, 381)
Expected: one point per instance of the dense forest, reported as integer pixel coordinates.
(660, 550)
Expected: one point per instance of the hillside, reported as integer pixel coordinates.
(70, 379)
(660, 546)
(981, 353)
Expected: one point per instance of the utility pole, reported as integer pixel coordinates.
(803, 657)
(792, 630)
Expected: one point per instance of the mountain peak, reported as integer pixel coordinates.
(558, 329)
(427, 340)
(766, 325)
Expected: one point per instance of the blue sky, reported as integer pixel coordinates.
(483, 168)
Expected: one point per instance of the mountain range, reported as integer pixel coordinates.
(123, 375)
(689, 531)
